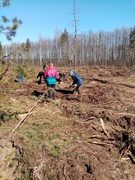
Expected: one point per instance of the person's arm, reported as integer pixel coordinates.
(56, 75)
(72, 85)
(73, 80)
(44, 74)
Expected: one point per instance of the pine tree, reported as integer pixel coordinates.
(132, 38)
(9, 30)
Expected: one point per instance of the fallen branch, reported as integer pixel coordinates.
(126, 114)
(90, 118)
(124, 159)
(127, 85)
(29, 112)
(96, 136)
(102, 138)
(103, 127)
(110, 82)
(99, 143)
(101, 80)
(131, 157)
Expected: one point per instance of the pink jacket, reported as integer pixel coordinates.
(51, 72)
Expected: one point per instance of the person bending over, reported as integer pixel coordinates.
(76, 80)
(40, 76)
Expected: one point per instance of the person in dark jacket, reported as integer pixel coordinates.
(62, 77)
(40, 76)
(76, 80)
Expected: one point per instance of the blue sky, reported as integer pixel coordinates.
(45, 17)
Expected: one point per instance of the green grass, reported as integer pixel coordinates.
(55, 152)
(1, 95)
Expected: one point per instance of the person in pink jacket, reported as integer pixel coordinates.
(51, 76)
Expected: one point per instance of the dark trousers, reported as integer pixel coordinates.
(40, 76)
(77, 89)
(51, 91)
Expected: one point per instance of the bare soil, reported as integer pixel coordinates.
(90, 136)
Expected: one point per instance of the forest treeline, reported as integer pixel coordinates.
(94, 48)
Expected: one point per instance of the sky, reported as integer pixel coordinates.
(43, 18)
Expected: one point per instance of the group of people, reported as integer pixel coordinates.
(51, 76)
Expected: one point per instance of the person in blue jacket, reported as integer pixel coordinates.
(76, 80)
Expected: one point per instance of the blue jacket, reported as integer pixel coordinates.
(77, 79)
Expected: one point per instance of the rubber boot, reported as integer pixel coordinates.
(79, 92)
(53, 95)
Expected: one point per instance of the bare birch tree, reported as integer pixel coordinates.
(75, 11)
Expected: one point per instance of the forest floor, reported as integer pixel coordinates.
(90, 136)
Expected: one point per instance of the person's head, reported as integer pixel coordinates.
(71, 73)
(51, 65)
